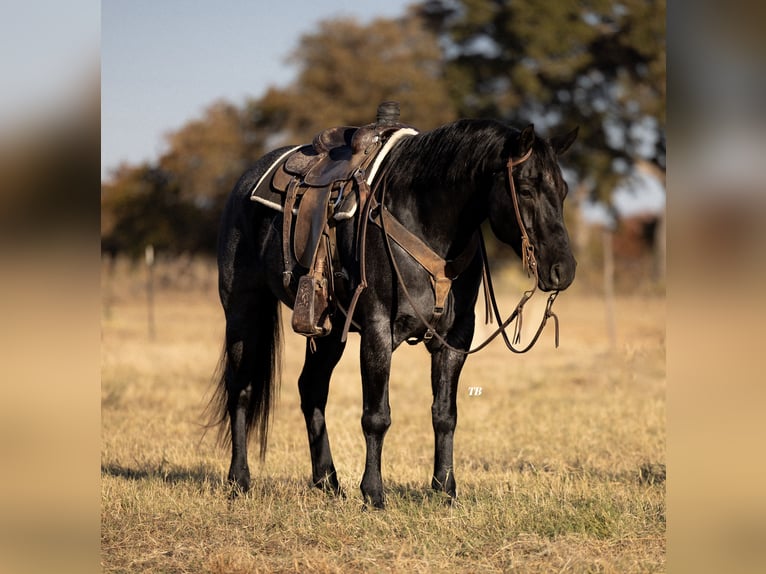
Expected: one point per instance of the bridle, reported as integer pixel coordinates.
(529, 263)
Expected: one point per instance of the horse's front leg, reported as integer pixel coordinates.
(375, 359)
(445, 371)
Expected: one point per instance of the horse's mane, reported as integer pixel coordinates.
(459, 150)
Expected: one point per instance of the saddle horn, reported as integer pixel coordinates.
(388, 113)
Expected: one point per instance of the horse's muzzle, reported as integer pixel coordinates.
(560, 276)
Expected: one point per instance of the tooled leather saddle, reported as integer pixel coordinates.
(316, 186)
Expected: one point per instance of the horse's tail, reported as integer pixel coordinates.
(259, 362)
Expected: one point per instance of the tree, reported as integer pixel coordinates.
(346, 69)
(207, 155)
(176, 203)
(142, 206)
(599, 64)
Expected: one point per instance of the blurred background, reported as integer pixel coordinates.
(188, 93)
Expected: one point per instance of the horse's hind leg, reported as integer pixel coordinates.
(251, 374)
(445, 372)
(239, 390)
(314, 384)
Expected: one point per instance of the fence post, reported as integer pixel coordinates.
(607, 236)
(149, 259)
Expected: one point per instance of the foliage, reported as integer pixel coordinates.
(143, 206)
(176, 204)
(208, 155)
(346, 69)
(598, 64)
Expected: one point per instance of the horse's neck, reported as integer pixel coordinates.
(445, 206)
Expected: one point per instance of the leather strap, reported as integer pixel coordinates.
(528, 261)
(287, 220)
(442, 271)
(309, 224)
(365, 199)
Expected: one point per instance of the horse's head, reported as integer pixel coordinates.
(540, 190)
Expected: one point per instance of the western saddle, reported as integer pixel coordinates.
(315, 186)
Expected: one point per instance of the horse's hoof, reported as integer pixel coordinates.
(239, 485)
(330, 485)
(236, 491)
(332, 490)
(377, 502)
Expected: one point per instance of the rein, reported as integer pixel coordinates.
(529, 263)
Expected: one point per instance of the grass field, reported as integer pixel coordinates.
(560, 461)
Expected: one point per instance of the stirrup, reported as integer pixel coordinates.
(310, 316)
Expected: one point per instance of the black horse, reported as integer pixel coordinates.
(441, 185)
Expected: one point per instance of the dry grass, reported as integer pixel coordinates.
(559, 462)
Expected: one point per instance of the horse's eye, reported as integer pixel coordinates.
(526, 190)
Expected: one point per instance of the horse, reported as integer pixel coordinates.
(441, 185)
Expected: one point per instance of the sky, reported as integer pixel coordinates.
(164, 61)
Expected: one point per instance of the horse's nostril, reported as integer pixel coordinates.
(556, 274)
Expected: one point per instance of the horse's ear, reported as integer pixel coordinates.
(561, 144)
(526, 139)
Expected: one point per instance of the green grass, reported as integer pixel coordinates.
(559, 462)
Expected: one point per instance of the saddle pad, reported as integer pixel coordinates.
(262, 191)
